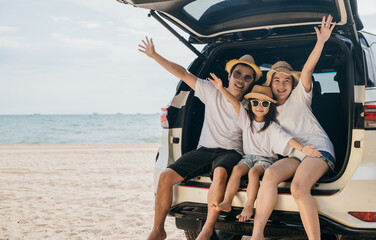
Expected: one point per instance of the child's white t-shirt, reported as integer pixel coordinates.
(296, 117)
(267, 143)
(221, 128)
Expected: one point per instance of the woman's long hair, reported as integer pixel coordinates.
(268, 118)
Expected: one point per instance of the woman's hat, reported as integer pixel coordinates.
(248, 60)
(261, 92)
(282, 67)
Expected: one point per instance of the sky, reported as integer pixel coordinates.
(81, 57)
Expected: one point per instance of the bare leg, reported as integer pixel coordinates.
(232, 187)
(268, 193)
(216, 192)
(307, 174)
(163, 201)
(252, 189)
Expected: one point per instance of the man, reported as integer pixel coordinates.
(220, 145)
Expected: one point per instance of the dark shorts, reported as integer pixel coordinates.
(205, 160)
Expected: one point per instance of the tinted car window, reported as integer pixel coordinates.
(327, 82)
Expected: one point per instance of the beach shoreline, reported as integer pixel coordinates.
(78, 191)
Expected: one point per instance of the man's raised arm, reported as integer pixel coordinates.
(180, 72)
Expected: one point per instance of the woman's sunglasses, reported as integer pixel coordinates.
(256, 102)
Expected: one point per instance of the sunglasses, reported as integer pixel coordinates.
(264, 103)
(238, 75)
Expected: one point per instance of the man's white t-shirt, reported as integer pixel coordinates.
(221, 128)
(296, 117)
(267, 143)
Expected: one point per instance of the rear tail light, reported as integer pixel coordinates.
(164, 120)
(370, 115)
(364, 216)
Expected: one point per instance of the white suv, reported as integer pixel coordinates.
(344, 102)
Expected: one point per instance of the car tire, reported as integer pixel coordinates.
(217, 235)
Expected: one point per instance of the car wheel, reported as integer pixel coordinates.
(217, 235)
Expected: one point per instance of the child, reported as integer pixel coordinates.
(263, 139)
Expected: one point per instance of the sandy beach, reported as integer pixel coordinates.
(78, 192)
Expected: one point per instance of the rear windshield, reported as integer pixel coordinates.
(208, 12)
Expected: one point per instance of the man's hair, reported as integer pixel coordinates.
(269, 117)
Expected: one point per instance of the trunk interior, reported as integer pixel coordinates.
(332, 89)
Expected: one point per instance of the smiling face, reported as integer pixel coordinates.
(239, 85)
(259, 111)
(281, 86)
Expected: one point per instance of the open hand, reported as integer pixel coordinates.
(326, 29)
(147, 47)
(216, 81)
(310, 151)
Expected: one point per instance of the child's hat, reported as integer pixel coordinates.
(248, 60)
(282, 67)
(261, 92)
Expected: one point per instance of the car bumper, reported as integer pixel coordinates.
(191, 216)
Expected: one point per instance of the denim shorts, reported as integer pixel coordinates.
(327, 157)
(255, 160)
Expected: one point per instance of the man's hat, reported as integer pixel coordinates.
(247, 60)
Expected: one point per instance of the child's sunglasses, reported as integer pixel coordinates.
(256, 102)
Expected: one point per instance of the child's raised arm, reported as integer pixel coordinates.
(307, 149)
(147, 47)
(218, 84)
(322, 36)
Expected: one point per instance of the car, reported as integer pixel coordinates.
(344, 102)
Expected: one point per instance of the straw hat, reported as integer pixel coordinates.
(248, 60)
(282, 67)
(261, 92)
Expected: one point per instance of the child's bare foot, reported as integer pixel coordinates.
(223, 206)
(246, 214)
(157, 234)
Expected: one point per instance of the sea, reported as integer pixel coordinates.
(80, 129)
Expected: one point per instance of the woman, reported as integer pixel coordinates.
(294, 97)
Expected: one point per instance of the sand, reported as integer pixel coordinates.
(78, 192)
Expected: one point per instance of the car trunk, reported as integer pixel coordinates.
(332, 91)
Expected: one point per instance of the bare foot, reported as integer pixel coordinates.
(246, 214)
(205, 234)
(223, 206)
(157, 234)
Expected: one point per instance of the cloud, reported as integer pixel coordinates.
(79, 42)
(366, 7)
(84, 24)
(61, 19)
(88, 24)
(11, 43)
(4, 29)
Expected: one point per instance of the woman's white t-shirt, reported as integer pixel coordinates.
(267, 143)
(296, 117)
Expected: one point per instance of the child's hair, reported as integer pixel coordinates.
(269, 117)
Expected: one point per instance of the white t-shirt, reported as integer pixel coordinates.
(220, 128)
(267, 143)
(296, 117)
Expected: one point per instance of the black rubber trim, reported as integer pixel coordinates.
(314, 192)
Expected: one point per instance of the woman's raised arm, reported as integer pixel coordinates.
(323, 35)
